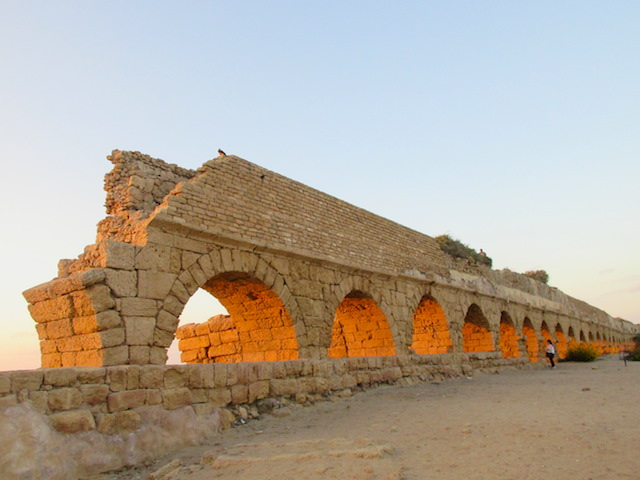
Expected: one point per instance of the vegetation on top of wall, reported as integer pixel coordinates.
(457, 249)
(539, 275)
(583, 352)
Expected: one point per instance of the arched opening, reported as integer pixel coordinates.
(360, 329)
(476, 336)
(201, 306)
(258, 327)
(583, 339)
(545, 333)
(508, 337)
(597, 343)
(563, 344)
(572, 338)
(430, 328)
(530, 340)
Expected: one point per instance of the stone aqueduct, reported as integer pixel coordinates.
(302, 274)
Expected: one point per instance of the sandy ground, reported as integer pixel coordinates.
(577, 421)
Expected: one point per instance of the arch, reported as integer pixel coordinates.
(545, 333)
(430, 328)
(531, 340)
(583, 339)
(563, 344)
(572, 338)
(261, 325)
(597, 344)
(508, 337)
(360, 329)
(476, 336)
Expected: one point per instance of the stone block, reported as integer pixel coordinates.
(154, 257)
(189, 283)
(51, 360)
(207, 266)
(126, 400)
(54, 309)
(220, 374)
(139, 355)
(198, 395)
(138, 307)
(115, 254)
(167, 321)
(94, 299)
(258, 390)
(117, 378)
(91, 374)
(64, 399)
(31, 380)
(123, 283)
(162, 338)
(108, 319)
(59, 329)
(115, 355)
(196, 376)
(94, 394)
(239, 394)
(176, 398)
(41, 328)
(73, 421)
(112, 337)
(158, 356)
(219, 397)
(198, 274)
(283, 386)
(179, 291)
(61, 377)
(173, 305)
(133, 377)
(188, 259)
(119, 423)
(152, 376)
(155, 285)
(154, 397)
(139, 330)
(176, 376)
(40, 401)
(190, 245)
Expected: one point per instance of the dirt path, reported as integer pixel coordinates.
(578, 421)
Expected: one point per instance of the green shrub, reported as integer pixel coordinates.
(634, 355)
(539, 275)
(457, 249)
(583, 352)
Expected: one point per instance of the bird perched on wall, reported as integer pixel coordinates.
(221, 153)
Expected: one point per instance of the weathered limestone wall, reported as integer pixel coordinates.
(112, 400)
(302, 275)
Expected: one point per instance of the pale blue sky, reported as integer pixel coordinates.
(514, 126)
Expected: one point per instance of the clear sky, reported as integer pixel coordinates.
(513, 126)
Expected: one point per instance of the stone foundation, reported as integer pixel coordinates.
(111, 399)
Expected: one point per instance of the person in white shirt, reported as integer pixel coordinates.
(551, 352)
